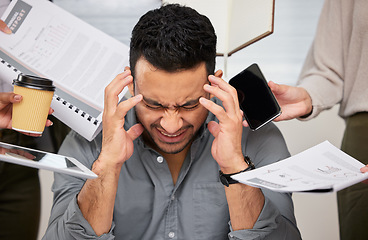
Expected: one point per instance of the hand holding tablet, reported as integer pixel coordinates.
(43, 160)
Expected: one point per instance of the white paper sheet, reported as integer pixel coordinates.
(322, 168)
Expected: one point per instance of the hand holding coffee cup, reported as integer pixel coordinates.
(7, 99)
(6, 105)
(30, 114)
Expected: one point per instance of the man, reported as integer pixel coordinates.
(160, 152)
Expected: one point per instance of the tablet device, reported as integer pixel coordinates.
(43, 160)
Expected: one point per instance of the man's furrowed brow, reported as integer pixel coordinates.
(156, 103)
(152, 102)
(190, 102)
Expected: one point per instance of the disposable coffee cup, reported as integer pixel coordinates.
(30, 115)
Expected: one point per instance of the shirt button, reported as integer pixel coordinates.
(171, 234)
(172, 197)
(160, 159)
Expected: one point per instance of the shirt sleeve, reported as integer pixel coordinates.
(276, 220)
(323, 70)
(66, 220)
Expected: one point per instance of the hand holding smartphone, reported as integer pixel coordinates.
(256, 99)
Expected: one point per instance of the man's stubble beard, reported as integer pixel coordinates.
(148, 139)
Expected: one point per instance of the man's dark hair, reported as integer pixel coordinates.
(173, 38)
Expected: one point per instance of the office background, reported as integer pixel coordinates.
(280, 57)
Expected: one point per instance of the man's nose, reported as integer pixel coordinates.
(171, 121)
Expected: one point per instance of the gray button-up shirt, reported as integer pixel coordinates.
(149, 206)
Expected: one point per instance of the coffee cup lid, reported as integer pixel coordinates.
(34, 82)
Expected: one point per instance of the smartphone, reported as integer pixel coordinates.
(256, 99)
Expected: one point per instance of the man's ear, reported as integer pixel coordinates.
(219, 73)
(131, 88)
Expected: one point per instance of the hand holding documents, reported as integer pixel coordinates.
(81, 60)
(322, 168)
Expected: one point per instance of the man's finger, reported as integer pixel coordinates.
(226, 87)
(113, 90)
(245, 123)
(128, 104)
(217, 110)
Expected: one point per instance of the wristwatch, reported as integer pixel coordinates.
(227, 180)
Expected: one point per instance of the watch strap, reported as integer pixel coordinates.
(226, 178)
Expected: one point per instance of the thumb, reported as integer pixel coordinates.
(214, 128)
(135, 131)
(275, 88)
(364, 169)
(9, 97)
(278, 89)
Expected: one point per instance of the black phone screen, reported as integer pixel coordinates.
(255, 97)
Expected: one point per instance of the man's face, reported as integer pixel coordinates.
(170, 111)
